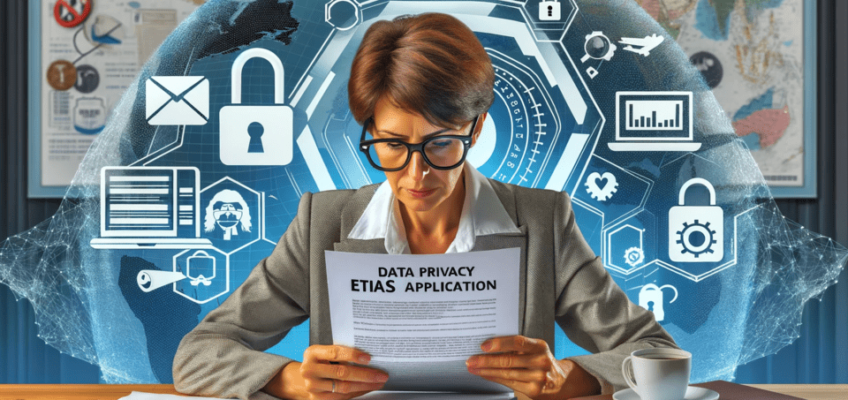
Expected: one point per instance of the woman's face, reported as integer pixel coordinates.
(418, 186)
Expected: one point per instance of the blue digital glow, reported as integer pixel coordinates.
(172, 208)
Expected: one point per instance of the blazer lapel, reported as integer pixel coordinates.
(351, 213)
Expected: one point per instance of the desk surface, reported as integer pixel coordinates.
(812, 392)
(114, 392)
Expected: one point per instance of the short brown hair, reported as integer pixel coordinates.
(430, 64)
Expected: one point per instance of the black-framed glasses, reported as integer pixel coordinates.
(440, 152)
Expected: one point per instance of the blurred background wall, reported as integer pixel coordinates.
(813, 358)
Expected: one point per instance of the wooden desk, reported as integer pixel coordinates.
(812, 392)
(114, 392)
(78, 392)
(733, 391)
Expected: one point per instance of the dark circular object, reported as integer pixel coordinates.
(87, 79)
(710, 67)
(597, 47)
(255, 128)
(696, 239)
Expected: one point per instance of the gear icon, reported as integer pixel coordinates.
(634, 256)
(598, 47)
(601, 193)
(696, 238)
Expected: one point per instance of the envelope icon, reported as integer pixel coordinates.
(177, 100)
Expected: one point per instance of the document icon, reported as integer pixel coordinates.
(177, 100)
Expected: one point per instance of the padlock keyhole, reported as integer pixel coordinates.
(550, 11)
(255, 130)
(651, 306)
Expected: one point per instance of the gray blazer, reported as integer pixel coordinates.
(561, 280)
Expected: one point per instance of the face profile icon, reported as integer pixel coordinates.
(226, 212)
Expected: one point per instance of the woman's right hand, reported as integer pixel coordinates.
(350, 380)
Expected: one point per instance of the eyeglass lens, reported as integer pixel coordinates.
(441, 152)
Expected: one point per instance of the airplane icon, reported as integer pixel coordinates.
(645, 45)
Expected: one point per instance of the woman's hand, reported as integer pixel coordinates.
(319, 375)
(526, 366)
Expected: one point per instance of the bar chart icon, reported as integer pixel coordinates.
(654, 121)
(662, 115)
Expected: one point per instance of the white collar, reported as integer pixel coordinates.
(482, 214)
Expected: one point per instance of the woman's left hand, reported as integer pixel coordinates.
(526, 365)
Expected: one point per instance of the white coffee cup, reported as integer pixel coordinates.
(659, 373)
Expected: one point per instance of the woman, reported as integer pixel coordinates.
(421, 87)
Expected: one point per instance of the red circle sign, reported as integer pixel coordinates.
(68, 15)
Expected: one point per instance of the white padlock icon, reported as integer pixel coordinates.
(550, 10)
(257, 135)
(696, 233)
(651, 299)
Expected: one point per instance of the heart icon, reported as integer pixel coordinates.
(601, 187)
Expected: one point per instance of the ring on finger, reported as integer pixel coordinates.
(334, 385)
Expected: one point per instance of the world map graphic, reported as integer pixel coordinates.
(751, 53)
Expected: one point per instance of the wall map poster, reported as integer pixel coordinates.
(90, 52)
(752, 55)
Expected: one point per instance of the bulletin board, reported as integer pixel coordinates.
(83, 55)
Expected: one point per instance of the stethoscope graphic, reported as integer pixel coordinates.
(93, 49)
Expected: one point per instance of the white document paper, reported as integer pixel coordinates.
(421, 316)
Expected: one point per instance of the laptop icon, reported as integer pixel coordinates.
(653, 121)
(150, 208)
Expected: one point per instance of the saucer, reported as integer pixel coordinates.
(692, 393)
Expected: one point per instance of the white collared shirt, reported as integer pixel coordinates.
(482, 214)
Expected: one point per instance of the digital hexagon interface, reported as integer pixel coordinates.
(207, 275)
(163, 221)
